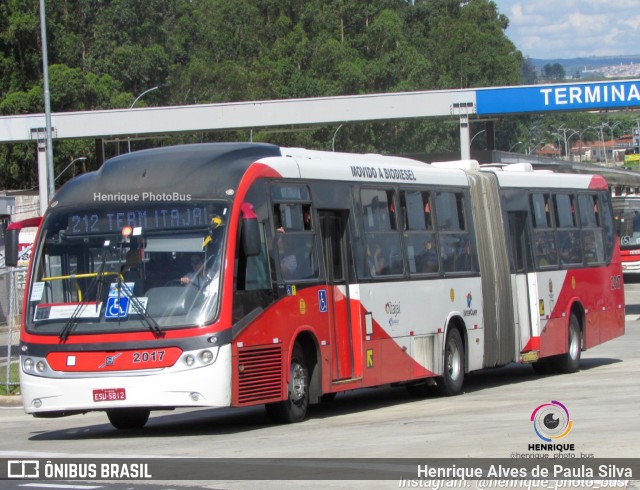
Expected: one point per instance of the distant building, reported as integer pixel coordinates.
(549, 150)
(609, 151)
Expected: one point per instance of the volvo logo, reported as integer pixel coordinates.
(110, 360)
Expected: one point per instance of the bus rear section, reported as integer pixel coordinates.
(285, 276)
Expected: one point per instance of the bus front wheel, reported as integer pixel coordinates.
(450, 383)
(128, 418)
(294, 408)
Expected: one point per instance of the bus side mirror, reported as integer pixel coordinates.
(11, 237)
(250, 233)
(250, 237)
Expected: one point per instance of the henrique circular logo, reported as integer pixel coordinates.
(551, 421)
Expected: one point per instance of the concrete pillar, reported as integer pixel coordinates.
(465, 143)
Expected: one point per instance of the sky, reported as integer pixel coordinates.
(551, 29)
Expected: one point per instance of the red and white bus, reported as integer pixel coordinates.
(236, 274)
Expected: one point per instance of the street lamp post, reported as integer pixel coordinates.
(474, 136)
(579, 133)
(47, 193)
(333, 140)
(134, 103)
(514, 145)
(610, 126)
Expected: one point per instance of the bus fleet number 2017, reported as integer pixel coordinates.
(150, 356)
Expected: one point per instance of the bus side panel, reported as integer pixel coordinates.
(260, 366)
(551, 307)
(414, 316)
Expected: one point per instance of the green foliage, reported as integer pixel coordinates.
(553, 72)
(103, 54)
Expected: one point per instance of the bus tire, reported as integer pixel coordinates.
(294, 408)
(570, 361)
(128, 418)
(450, 383)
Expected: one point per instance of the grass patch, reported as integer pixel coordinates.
(14, 378)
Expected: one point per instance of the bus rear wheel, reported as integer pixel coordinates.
(450, 383)
(294, 408)
(128, 418)
(570, 361)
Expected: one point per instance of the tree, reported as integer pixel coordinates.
(103, 54)
(529, 74)
(553, 72)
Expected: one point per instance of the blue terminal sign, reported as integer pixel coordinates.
(560, 97)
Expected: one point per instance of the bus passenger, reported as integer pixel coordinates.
(196, 278)
(463, 258)
(288, 259)
(131, 271)
(378, 265)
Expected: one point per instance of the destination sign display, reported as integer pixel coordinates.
(558, 97)
(147, 218)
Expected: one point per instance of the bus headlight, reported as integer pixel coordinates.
(27, 365)
(40, 366)
(206, 356)
(189, 360)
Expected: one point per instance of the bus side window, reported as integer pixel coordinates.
(606, 220)
(294, 235)
(455, 246)
(383, 252)
(592, 235)
(569, 241)
(419, 238)
(544, 239)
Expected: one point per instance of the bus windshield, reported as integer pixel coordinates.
(122, 268)
(626, 212)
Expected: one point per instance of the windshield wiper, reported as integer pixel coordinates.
(73, 319)
(146, 319)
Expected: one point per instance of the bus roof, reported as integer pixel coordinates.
(203, 171)
(198, 170)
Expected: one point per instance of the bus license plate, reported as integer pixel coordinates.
(109, 395)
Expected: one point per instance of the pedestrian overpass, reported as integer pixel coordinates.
(463, 104)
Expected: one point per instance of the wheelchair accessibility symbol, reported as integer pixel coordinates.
(322, 300)
(117, 307)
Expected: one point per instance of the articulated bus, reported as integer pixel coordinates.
(237, 274)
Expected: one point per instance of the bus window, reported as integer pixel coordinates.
(569, 241)
(541, 210)
(379, 211)
(419, 239)
(450, 211)
(544, 238)
(296, 253)
(382, 241)
(592, 239)
(455, 245)
(294, 235)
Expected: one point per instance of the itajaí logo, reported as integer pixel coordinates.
(551, 421)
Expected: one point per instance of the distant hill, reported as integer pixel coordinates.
(587, 65)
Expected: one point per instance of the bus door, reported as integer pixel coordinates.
(524, 282)
(344, 324)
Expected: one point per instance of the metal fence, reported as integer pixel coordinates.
(12, 282)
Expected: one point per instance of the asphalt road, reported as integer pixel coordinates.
(490, 420)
